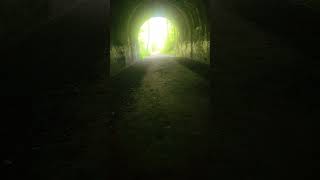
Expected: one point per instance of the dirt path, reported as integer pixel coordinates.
(162, 126)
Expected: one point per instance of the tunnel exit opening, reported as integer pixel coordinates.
(158, 35)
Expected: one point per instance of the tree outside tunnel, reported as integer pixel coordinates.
(158, 35)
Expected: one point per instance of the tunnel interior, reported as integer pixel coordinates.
(190, 37)
(58, 57)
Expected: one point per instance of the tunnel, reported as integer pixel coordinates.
(159, 89)
(190, 18)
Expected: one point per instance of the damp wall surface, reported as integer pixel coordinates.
(68, 49)
(17, 15)
(44, 62)
(264, 87)
(20, 18)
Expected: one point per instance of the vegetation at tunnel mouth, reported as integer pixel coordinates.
(158, 35)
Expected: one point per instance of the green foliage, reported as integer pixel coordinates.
(156, 42)
(171, 40)
(118, 56)
(143, 51)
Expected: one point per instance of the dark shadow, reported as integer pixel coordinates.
(130, 77)
(294, 24)
(123, 83)
(121, 95)
(197, 67)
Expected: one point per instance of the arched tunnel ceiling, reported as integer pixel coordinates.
(128, 16)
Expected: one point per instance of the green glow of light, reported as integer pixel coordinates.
(153, 35)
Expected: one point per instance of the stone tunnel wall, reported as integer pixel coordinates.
(121, 57)
(16, 16)
(120, 51)
(68, 49)
(265, 65)
(198, 49)
(19, 18)
(43, 69)
(197, 45)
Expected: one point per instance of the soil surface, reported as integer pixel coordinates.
(152, 124)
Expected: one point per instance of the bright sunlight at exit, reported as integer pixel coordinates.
(157, 36)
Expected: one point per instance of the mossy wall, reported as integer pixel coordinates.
(69, 49)
(17, 16)
(200, 51)
(18, 19)
(198, 47)
(120, 58)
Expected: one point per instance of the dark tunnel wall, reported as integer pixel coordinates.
(67, 49)
(16, 16)
(265, 71)
(19, 18)
(45, 67)
(295, 21)
(43, 62)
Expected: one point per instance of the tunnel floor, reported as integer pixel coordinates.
(163, 118)
(154, 127)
